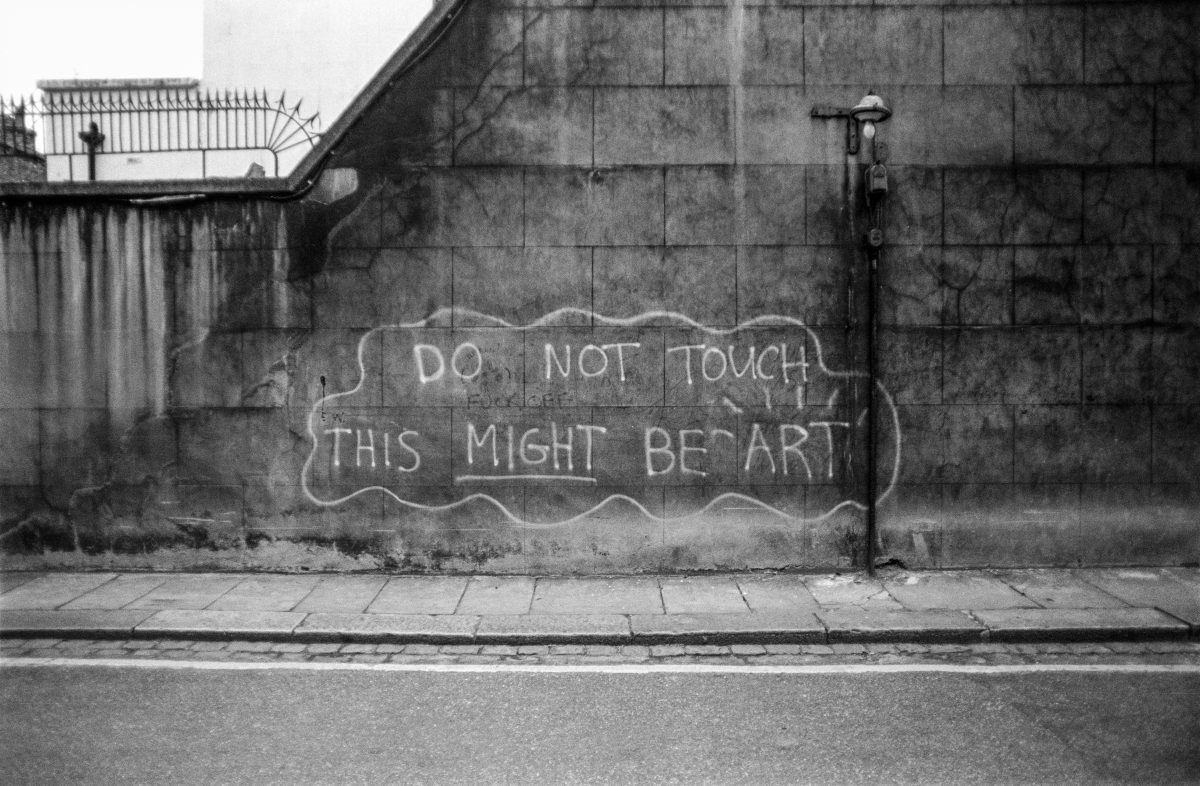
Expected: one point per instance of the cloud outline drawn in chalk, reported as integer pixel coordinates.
(555, 319)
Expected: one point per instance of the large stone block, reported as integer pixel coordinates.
(1017, 45)
(1117, 364)
(1176, 363)
(1116, 285)
(697, 46)
(910, 286)
(520, 285)
(397, 285)
(910, 364)
(19, 285)
(691, 280)
(805, 282)
(1176, 432)
(485, 47)
(1084, 125)
(1046, 285)
(1129, 523)
(1115, 444)
(21, 354)
(986, 524)
(226, 447)
(977, 285)
(595, 46)
(1140, 42)
(991, 206)
(20, 457)
(254, 289)
(1047, 444)
(207, 373)
(979, 444)
(750, 46)
(514, 125)
(873, 46)
(1177, 285)
(954, 126)
(1012, 365)
(775, 128)
(670, 125)
(601, 207)
(1176, 127)
(1141, 205)
(461, 206)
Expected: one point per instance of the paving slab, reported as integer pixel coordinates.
(850, 591)
(497, 595)
(928, 591)
(1059, 589)
(553, 628)
(777, 593)
(11, 580)
(186, 592)
(342, 594)
(118, 593)
(854, 624)
(380, 628)
(94, 623)
(1079, 624)
(207, 624)
(702, 595)
(419, 595)
(775, 627)
(54, 590)
(638, 595)
(1160, 588)
(266, 593)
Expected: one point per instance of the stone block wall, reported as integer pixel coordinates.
(215, 383)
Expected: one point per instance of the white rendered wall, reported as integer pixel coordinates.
(324, 51)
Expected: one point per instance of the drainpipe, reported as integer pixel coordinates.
(860, 125)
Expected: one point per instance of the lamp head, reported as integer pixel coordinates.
(870, 109)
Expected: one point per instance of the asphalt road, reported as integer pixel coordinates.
(123, 725)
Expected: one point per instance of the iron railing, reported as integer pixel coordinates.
(154, 121)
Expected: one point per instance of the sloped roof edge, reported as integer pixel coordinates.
(415, 47)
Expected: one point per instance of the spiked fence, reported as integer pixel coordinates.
(155, 121)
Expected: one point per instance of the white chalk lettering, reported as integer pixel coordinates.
(467, 347)
(603, 361)
(709, 352)
(556, 447)
(420, 352)
(369, 448)
(758, 442)
(793, 447)
(587, 433)
(829, 426)
(541, 451)
(685, 448)
(651, 450)
(337, 443)
(416, 457)
(687, 357)
(474, 441)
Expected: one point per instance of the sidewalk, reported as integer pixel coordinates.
(749, 608)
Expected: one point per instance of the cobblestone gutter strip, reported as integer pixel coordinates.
(1113, 652)
(841, 626)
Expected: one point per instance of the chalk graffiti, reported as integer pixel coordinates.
(653, 401)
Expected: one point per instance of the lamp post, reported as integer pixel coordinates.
(94, 140)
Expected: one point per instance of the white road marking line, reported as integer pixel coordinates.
(603, 668)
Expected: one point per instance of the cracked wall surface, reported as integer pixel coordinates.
(1038, 302)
